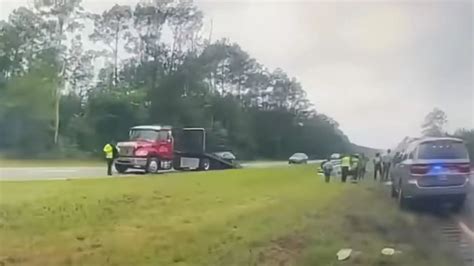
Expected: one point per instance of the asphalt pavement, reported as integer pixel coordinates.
(79, 172)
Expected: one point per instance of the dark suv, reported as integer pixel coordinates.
(432, 168)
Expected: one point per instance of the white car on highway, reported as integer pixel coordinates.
(336, 162)
(298, 158)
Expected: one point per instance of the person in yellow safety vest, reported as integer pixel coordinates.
(355, 167)
(110, 152)
(345, 165)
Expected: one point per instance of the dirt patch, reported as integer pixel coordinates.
(9, 260)
(392, 229)
(282, 251)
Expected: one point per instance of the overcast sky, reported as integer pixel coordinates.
(376, 67)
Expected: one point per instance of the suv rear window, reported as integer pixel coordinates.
(443, 149)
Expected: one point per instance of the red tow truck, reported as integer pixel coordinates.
(154, 147)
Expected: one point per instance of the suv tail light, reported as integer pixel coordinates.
(423, 169)
(419, 169)
(463, 168)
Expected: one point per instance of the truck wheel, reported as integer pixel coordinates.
(177, 164)
(204, 164)
(121, 168)
(152, 166)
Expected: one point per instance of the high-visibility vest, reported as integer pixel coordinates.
(109, 151)
(346, 161)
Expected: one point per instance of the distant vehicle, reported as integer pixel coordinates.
(432, 168)
(336, 159)
(298, 158)
(226, 155)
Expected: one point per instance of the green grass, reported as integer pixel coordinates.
(48, 163)
(280, 216)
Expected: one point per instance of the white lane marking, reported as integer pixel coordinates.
(58, 170)
(42, 170)
(466, 230)
(34, 169)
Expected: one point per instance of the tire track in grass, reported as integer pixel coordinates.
(455, 234)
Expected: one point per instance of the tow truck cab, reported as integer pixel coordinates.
(154, 148)
(149, 147)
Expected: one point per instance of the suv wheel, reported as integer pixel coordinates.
(152, 166)
(393, 192)
(402, 201)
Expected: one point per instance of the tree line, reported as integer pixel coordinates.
(71, 80)
(434, 125)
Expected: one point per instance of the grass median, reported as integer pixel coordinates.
(281, 216)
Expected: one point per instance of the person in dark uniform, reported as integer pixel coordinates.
(377, 166)
(362, 166)
(387, 159)
(355, 167)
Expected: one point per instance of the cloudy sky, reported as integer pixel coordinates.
(377, 67)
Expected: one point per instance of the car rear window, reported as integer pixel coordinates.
(442, 150)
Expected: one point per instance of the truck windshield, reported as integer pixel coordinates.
(143, 135)
(442, 150)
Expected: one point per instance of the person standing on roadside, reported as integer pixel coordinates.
(355, 167)
(111, 153)
(327, 168)
(387, 163)
(345, 166)
(377, 166)
(362, 166)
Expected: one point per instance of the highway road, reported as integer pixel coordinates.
(62, 173)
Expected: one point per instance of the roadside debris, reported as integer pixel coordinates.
(389, 252)
(344, 254)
